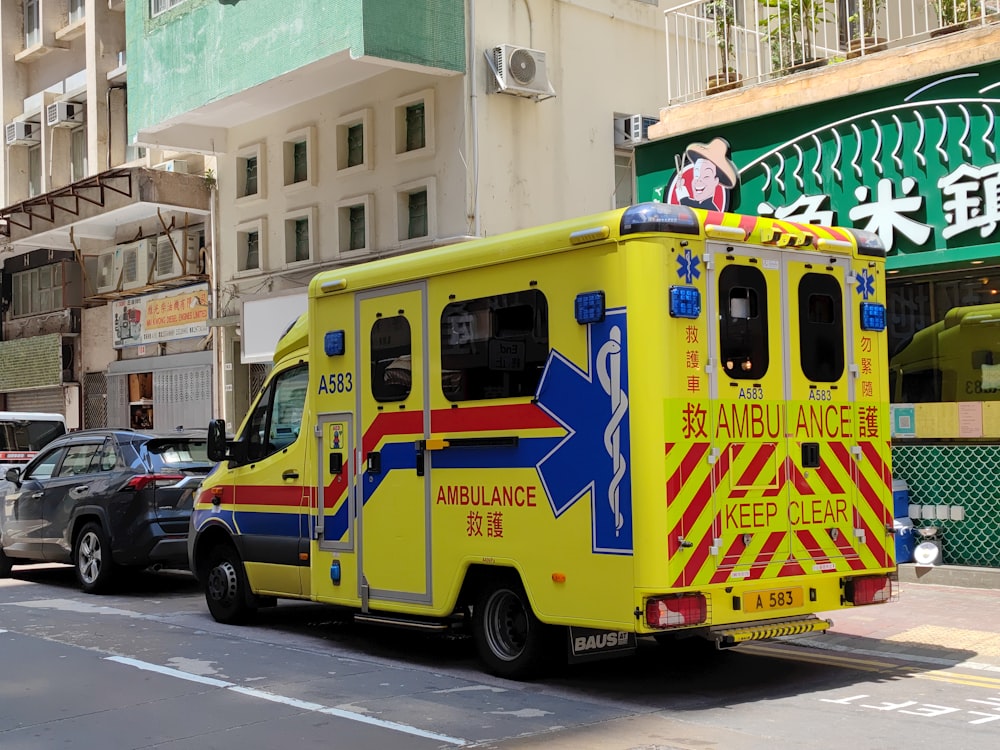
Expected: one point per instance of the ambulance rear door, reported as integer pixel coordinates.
(748, 388)
(823, 447)
(392, 486)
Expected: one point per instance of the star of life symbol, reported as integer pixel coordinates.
(593, 457)
(688, 266)
(866, 284)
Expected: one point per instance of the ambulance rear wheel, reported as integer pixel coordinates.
(226, 589)
(511, 641)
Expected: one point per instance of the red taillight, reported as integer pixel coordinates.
(141, 481)
(869, 590)
(671, 611)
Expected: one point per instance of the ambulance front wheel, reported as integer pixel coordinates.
(511, 641)
(226, 589)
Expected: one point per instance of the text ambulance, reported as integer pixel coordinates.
(652, 421)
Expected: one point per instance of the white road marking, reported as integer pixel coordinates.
(285, 700)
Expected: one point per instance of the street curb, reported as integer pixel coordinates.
(950, 575)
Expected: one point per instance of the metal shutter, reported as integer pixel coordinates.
(50, 400)
(182, 397)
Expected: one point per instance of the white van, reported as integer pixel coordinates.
(23, 434)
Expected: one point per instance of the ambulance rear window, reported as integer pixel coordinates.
(821, 328)
(743, 322)
(494, 347)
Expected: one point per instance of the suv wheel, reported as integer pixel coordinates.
(92, 559)
(5, 565)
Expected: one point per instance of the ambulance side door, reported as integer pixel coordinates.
(748, 391)
(392, 486)
(821, 414)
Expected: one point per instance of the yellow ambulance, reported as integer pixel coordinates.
(655, 421)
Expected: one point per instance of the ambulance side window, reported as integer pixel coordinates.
(743, 322)
(821, 328)
(494, 347)
(277, 417)
(391, 351)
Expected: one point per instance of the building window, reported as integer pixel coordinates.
(298, 236)
(624, 192)
(77, 10)
(159, 6)
(353, 133)
(298, 158)
(37, 291)
(250, 172)
(494, 347)
(250, 246)
(415, 206)
(34, 171)
(352, 217)
(415, 124)
(32, 23)
(78, 154)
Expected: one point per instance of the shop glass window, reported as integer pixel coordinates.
(821, 328)
(391, 359)
(494, 347)
(743, 322)
(276, 420)
(944, 338)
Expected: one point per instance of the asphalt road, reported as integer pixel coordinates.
(147, 667)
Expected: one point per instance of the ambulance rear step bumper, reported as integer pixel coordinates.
(732, 635)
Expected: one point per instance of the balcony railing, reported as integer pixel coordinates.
(718, 45)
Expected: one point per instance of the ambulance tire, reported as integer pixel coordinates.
(227, 591)
(510, 640)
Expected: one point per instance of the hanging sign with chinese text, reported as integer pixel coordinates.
(164, 316)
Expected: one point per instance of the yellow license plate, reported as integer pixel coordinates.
(762, 601)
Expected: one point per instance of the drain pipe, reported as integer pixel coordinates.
(474, 118)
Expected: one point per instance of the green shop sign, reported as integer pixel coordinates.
(915, 163)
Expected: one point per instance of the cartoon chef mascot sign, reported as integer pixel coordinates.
(705, 177)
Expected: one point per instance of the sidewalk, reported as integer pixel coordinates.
(944, 616)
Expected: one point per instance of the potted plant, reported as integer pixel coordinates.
(954, 15)
(863, 26)
(790, 30)
(723, 16)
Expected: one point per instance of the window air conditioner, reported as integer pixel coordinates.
(64, 114)
(137, 260)
(519, 71)
(633, 129)
(168, 255)
(21, 133)
(108, 270)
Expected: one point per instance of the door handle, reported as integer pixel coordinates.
(80, 489)
(290, 474)
(37, 495)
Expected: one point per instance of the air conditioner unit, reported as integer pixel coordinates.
(64, 114)
(519, 71)
(109, 267)
(174, 165)
(21, 133)
(632, 130)
(137, 261)
(168, 255)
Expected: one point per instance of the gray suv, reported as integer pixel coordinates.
(104, 501)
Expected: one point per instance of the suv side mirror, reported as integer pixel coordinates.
(14, 476)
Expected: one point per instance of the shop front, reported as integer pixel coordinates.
(918, 164)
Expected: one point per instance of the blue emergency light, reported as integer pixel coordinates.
(872, 316)
(333, 343)
(685, 302)
(589, 307)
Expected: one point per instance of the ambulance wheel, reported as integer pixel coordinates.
(511, 641)
(227, 591)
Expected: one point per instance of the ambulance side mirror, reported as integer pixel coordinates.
(217, 447)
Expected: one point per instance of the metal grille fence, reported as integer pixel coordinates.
(95, 399)
(949, 476)
(258, 374)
